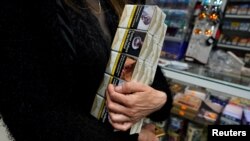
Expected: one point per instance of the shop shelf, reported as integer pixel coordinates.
(238, 86)
(233, 47)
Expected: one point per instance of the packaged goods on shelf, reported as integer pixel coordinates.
(246, 116)
(176, 129)
(232, 114)
(194, 132)
(183, 113)
(240, 101)
(214, 106)
(187, 103)
(177, 124)
(245, 71)
(196, 92)
(210, 116)
(172, 136)
(207, 115)
(176, 87)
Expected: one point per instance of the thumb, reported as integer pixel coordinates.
(130, 87)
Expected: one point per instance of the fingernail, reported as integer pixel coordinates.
(118, 88)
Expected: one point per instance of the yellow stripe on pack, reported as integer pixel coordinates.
(123, 40)
(132, 16)
(101, 109)
(115, 64)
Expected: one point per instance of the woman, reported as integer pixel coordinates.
(53, 57)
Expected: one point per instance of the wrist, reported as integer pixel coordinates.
(163, 98)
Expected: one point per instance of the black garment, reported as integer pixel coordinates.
(52, 60)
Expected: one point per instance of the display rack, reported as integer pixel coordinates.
(236, 27)
(178, 21)
(233, 47)
(205, 30)
(237, 16)
(198, 76)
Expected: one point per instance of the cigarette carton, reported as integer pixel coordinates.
(135, 53)
(108, 79)
(136, 43)
(161, 33)
(98, 106)
(142, 17)
(128, 68)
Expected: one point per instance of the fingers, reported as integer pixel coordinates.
(121, 126)
(115, 107)
(116, 96)
(130, 87)
(119, 118)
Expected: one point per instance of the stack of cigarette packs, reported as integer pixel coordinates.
(135, 52)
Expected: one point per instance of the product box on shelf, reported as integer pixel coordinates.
(188, 103)
(196, 92)
(183, 113)
(142, 17)
(194, 132)
(246, 116)
(232, 114)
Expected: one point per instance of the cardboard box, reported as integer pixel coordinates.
(188, 103)
(142, 17)
(182, 113)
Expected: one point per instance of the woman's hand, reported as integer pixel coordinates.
(130, 102)
(148, 133)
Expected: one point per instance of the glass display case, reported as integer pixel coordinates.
(200, 75)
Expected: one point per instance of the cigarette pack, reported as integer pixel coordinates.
(137, 43)
(108, 79)
(98, 109)
(142, 17)
(129, 68)
(160, 34)
(98, 106)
